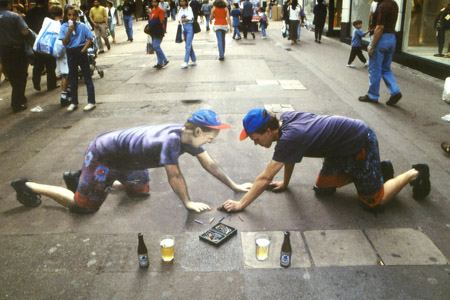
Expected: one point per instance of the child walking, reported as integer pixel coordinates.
(236, 14)
(77, 38)
(263, 23)
(356, 45)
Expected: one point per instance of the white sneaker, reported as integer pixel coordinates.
(366, 64)
(351, 66)
(89, 106)
(72, 107)
(192, 64)
(446, 118)
(184, 66)
(263, 37)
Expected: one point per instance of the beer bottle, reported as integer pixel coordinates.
(286, 251)
(142, 252)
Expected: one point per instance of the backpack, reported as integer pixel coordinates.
(445, 18)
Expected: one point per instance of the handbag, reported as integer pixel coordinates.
(147, 29)
(179, 35)
(47, 37)
(196, 27)
(150, 49)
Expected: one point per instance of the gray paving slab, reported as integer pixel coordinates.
(405, 246)
(299, 257)
(340, 248)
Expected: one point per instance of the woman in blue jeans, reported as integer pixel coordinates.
(222, 23)
(156, 19)
(186, 17)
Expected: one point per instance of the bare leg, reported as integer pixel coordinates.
(61, 195)
(395, 185)
(64, 84)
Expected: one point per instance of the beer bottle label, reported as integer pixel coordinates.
(143, 260)
(285, 260)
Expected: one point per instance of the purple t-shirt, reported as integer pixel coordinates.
(305, 134)
(143, 147)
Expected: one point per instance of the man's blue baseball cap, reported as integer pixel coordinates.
(253, 121)
(207, 118)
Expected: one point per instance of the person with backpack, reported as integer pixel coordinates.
(263, 22)
(441, 24)
(206, 10)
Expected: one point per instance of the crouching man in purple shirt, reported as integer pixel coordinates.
(349, 148)
(120, 159)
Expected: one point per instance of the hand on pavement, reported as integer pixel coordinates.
(197, 206)
(245, 187)
(277, 186)
(230, 205)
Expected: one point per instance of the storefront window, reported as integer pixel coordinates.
(420, 34)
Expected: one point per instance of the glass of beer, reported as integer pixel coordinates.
(262, 242)
(167, 243)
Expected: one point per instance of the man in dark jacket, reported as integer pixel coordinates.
(12, 52)
(320, 15)
(35, 18)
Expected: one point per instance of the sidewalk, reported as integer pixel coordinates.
(49, 253)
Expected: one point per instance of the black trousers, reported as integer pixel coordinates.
(41, 60)
(318, 30)
(247, 25)
(440, 40)
(15, 64)
(356, 51)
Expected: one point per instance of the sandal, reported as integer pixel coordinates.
(446, 147)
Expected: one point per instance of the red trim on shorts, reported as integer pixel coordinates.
(336, 180)
(372, 200)
(84, 202)
(138, 189)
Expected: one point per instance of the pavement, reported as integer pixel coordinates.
(340, 250)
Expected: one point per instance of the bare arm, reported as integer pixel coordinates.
(178, 184)
(216, 170)
(229, 21)
(282, 185)
(376, 37)
(66, 39)
(261, 182)
(87, 45)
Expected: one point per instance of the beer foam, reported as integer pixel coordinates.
(167, 243)
(262, 242)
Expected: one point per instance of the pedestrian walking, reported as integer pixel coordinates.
(112, 21)
(77, 38)
(13, 58)
(442, 24)
(263, 22)
(349, 148)
(236, 14)
(128, 9)
(156, 23)
(166, 9)
(320, 15)
(35, 19)
(381, 50)
(356, 45)
(294, 20)
(247, 14)
(61, 62)
(120, 159)
(206, 10)
(173, 9)
(222, 24)
(186, 18)
(99, 17)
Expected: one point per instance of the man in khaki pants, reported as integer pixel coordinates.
(99, 17)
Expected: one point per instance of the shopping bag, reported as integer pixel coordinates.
(179, 35)
(446, 92)
(196, 27)
(47, 37)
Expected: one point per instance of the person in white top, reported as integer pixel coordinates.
(111, 10)
(294, 21)
(186, 18)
